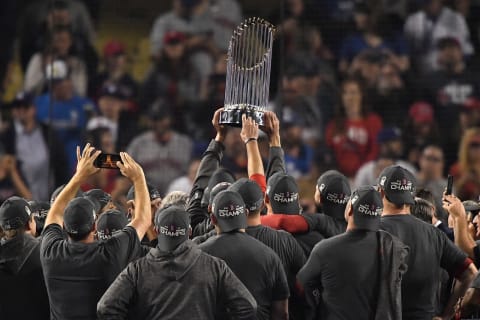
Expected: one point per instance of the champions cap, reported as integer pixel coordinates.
(14, 213)
(172, 224)
(79, 216)
(335, 191)
(367, 206)
(282, 191)
(398, 184)
(229, 209)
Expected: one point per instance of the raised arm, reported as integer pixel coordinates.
(85, 169)
(249, 136)
(210, 162)
(276, 161)
(463, 240)
(142, 218)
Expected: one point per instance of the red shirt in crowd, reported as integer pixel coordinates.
(356, 145)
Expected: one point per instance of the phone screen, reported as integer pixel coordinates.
(107, 161)
(449, 185)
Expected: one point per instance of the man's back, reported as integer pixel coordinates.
(430, 250)
(23, 294)
(188, 284)
(345, 270)
(255, 264)
(77, 274)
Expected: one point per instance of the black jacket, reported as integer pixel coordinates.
(23, 294)
(56, 151)
(199, 218)
(183, 284)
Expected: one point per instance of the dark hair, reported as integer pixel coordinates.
(425, 194)
(94, 137)
(58, 5)
(423, 210)
(340, 114)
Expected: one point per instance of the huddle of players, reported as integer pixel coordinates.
(368, 258)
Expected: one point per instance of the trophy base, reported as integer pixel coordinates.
(233, 117)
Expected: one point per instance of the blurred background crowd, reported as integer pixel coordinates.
(357, 85)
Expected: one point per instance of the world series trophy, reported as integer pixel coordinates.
(248, 72)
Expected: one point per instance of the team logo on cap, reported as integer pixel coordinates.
(370, 210)
(231, 211)
(322, 187)
(172, 231)
(382, 181)
(285, 197)
(337, 198)
(401, 185)
(27, 210)
(355, 199)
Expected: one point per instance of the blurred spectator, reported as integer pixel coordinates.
(194, 19)
(9, 17)
(112, 104)
(59, 47)
(67, 113)
(389, 98)
(420, 130)
(391, 149)
(470, 10)
(116, 71)
(298, 155)
(185, 183)
(368, 37)
(171, 78)
(467, 170)
(162, 152)
(367, 65)
(43, 16)
(352, 133)
(431, 174)
(226, 15)
(40, 155)
(11, 182)
(424, 29)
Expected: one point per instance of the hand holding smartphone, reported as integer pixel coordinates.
(107, 161)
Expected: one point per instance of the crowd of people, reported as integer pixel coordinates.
(315, 215)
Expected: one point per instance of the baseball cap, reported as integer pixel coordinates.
(421, 112)
(172, 224)
(152, 191)
(114, 90)
(217, 189)
(250, 192)
(367, 206)
(99, 197)
(110, 222)
(22, 99)
(56, 71)
(79, 216)
(113, 48)
(398, 184)
(229, 209)
(173, 37)
(39, 212)
(14, 213)
(471, 206)
(389, 134)
(57, 191)
(219, 175)
(282, 191)
(335, 191)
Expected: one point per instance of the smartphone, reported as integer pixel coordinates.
(449, 185)
(107, 161)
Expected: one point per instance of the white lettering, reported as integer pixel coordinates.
(287, 197)
(172, 231)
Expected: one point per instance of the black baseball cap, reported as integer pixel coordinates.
(250, 192)
(282, 191)
(219, 175)
(398, 184)
(79, 216)
(110, 222)
(114, 91)
(39, 212)
(14, 213)
(335, 191)
(22, 99)
(217, 189)
(367, 206)
(57, 191)
(152, 191)
(99, 197)
(229, 209)
(172, 224)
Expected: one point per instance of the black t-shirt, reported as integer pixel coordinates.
(308, 240)
(256, 265)
(342, 273)
(77, 274)
(326, 225)
(430, 250)
(23, 294)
